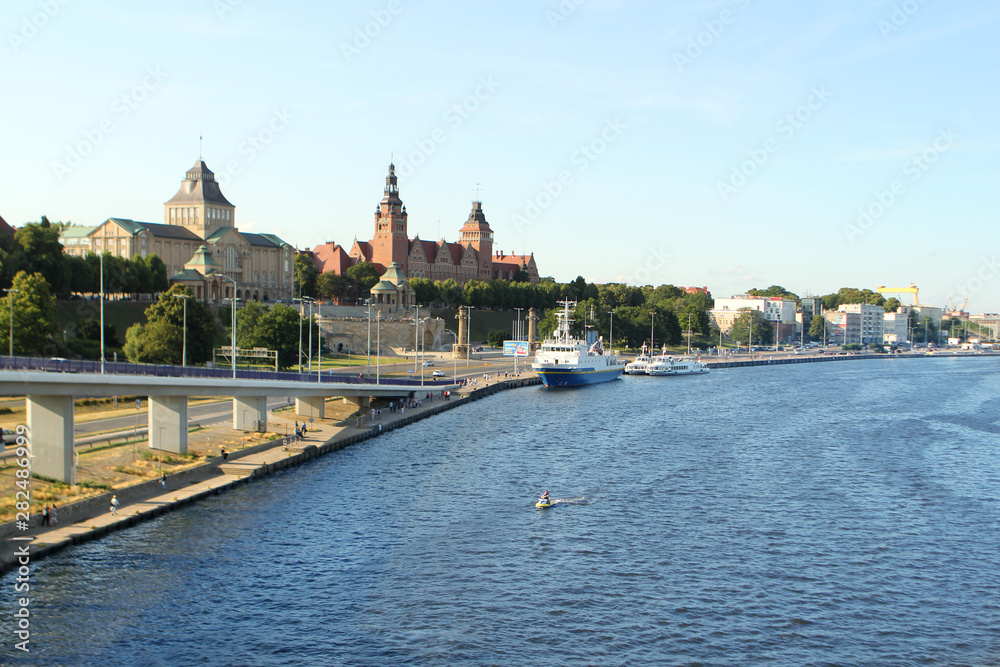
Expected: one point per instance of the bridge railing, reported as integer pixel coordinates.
(165, 370)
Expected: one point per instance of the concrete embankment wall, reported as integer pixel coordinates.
(84, 510)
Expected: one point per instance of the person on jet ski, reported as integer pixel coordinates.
(545, 497)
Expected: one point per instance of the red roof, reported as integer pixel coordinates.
(5, 228)
(331, 257)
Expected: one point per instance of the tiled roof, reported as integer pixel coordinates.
(259, 240)
(76, 232)
(162, 231)
(200, 186)
(5, 228)
(276, 240)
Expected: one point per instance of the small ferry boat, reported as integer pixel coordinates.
(667, 365)
(638, 365)
(565, 361)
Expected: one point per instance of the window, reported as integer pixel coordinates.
(232, 257)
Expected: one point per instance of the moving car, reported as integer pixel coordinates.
(437, 374)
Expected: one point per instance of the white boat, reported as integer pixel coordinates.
(667, 365)
(565, 361)
(638, 365)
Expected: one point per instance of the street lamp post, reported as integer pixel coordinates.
(301, 317)
(611, 334)
(468, 335)
(311, 301)
(652, 321)
(368, 372)
(233, 307)
(378, 344)
(102, 311)
(10, 300)
(416, 338)
(184, 352)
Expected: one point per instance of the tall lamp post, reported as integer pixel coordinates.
(184, 352)
(369, 348)
(611, 334)
(310, 301)
(652, 321)
(233, 304)
(468, 335)
(10, 300)
(102, 310)
(378, 345)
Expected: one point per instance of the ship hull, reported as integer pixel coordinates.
(577, 377)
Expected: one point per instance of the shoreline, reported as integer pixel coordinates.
(90, 519)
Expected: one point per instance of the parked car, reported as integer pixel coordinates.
(437, 374)
(9, 437)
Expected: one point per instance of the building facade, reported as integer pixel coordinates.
(472, 257)
(199, 243)
(779, 312)
(896, 326)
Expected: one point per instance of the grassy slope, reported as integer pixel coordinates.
(122, 314)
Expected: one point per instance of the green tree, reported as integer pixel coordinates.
(763, 333)
(160, 282)
(142, 278)
(449, 292)
(775, 290)
(331, 285)
(306, 274)
(41, 252)
(477, 294)
(90, 329)
(424, 290)
(34, 313)
(141, 343)
(817, 327)
(365, 276)
(496, 337)
(892, 305)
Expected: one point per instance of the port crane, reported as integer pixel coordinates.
(912, 289)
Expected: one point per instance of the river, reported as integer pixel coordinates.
(808, 514)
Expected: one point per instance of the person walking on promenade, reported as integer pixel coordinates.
(114, 505)
(163, 480)
(45, 516)
(225, 454)
(53, 517)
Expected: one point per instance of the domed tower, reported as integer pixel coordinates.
(391, 243)
(200, 205)
(477, 233)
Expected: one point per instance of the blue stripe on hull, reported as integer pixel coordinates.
(579, 378)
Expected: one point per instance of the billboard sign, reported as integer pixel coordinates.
(515, 348)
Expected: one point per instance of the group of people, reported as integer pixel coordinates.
(49, 517)
(300, 431)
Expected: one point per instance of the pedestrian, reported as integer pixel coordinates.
(45, 516)
(114, 505)
(53, 517)
(225, 454)
(163, 480)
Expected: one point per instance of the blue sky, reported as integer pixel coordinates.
(730, 144)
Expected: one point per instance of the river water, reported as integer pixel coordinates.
(812, 514)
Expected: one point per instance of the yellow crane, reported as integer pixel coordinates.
(912, 289)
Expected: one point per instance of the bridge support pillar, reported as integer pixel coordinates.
(250, 413)
(168, 424)
(358, 402)
(50, 424)
(311, 406)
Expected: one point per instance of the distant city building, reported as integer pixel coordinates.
(470, 258)
(199, 243)
(859, 323)
(697, 290)
(776, 310)
(896, 326)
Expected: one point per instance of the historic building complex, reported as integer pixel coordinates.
(470, 258)
(200, 244)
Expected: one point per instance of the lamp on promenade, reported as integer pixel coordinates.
(184, 352)
(378, 345)
(10, 300)
(233, 307)
(468, 335)
(652, 320)
(102, 311)
(310, 301)
(611, 334)
(369, 348)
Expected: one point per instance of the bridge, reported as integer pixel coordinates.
(50, 386)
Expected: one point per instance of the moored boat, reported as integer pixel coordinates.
(566, 361)
(638, 365)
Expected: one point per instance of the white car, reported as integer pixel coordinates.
(428, 363)
(437, 374)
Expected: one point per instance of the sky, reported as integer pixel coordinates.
(731, 144)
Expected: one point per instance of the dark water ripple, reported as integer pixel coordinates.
(828, 514)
